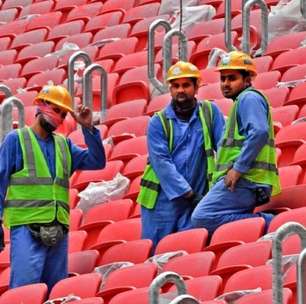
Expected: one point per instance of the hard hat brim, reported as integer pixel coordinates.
(183, 76)
(253, 73)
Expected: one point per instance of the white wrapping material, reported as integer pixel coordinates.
(101, 192)
(66, 48)
(232, 296)
(63, 300)
(167, 7)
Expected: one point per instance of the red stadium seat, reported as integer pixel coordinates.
(4, 43)
(82, 262)
(289, 175)
(302, 112)
(120, 31)
(84, 12)
(15, 84)
(29, 294)
(39, 8)
(8, 15)
(67, 5)
(4, 279)
(299, 157)
(292, 132)
(91, 300)
(285, 114)
(131, 61)
(5, 257)
(224, 104)
(76, 240)
(210, 91)
(266, 80)
(57, 76)
(10, 71)
(138, 295)
(12, 3)
(75, 219)
(263, 63)
(28, 38)
(288, 150)
(113, 5)
(137, 13)
(135, 166)
(81, 40)
(7, 57)
(297, 94)
(277, 96)
(209, 75)
(13, 28)
(236, 6)
(27, 97)
(47, 21)
(193, 240)
(84, 286)
(157, 103)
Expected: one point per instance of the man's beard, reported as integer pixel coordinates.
(45, 124)
(184, 107)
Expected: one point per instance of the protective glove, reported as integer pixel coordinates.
(1, 237)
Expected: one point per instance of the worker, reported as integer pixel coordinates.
(246, 174)
(35, 166)
(182, 139)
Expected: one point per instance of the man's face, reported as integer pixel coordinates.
(183, 90)
(232, 83)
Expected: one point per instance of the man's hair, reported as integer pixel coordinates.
(245, 73)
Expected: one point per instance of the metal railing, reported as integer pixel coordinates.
(6, 115)
(6, 90)
(161, 87)
(283, 232)
(185, 299)
(87, 88)
(71, 63)
(228, 25)
(303, 8)
(161, 280)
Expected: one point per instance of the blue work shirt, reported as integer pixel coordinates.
(81, 159)
(185, 168)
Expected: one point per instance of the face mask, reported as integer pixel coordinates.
(53, 118)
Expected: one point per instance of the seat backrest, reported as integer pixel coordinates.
(116, 31)
(277, 96)
(39, 49)
(66, 29)
(83, 261)
(113, 5)
(76, 240)
(297, 94)
(266, 80)
(289, 175)
(135, 166)
(34, 36)
(101, 21)
(292, 132)
(138, 295)
(40, 79)
(41, 8)
(285, 114)
(85, 11)
(141, 12)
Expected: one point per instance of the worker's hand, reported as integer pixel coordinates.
(231, 179)
(83, 115)
(1, 237)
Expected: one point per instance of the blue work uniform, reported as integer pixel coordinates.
(182, 170)
(31, 261)
(220, 205)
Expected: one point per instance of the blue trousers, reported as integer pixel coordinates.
(220, 206)
(33, 262)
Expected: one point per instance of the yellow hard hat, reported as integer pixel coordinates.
(183, 69)
(57, 95)
(236, 60)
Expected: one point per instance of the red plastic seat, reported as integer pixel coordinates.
(84, 12)
(15, 83)
(127, 149)
(210, 91)
(134, 188)
(299, 157)
(292, 132)
(285, 114)
(5, 257)
(104, 20)
(131, 61)
(12, 3)
(84, 286)
(288, 150)
(49, 20)
(193, 240)
(124, 110)
(41, 79)
(67, 5)
(8, 15)
(76, 240)
(138, 295)
(41, 8)
(80, 179)
(157, 103)
(27, 97)
(29, 294)
(65, 30)
(113, 5)
(97, 217)
(13, 28)
(135, 166)
(10, 71)
(75, 219)
(4, 279)
(290, 175)
(82, 262)
(7, 57)
(236, 6)
(120, 31)
(263, 63)
(194, 264)
(277, 96)
(136, 252)
(141, 12)
(266, 80)
(4, 43)
(91, 300)
(297, 94)
(81, 40)
(28, 38)
(209, 75)
(224, 104)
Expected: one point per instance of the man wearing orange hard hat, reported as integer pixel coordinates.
(182, 139)
(35, 166)
(246, 174)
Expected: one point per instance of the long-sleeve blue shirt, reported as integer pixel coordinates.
(185, 168)
(82, 159)
(252, 118)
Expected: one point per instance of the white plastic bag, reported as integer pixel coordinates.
(168, 7)
(232, 296)
(101, 192)
(63, 300)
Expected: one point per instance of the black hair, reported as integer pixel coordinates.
(245, 73)
(194, 81)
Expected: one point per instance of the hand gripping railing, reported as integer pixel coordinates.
(159, 281)
(246, 26)
(72, 59)
(185, 299)
(87, 88)
(6, 90)
(6, 115)
(162, 88)
(167, 49)
(303, 8)
(228, 26)
(284, 231)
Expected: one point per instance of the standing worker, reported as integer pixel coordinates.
(35, 166)
(246, 172)
(181, 143)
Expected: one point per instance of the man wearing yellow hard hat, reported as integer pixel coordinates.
(246, 174)
(182, 139)
(35, 166)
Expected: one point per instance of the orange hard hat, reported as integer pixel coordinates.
(183, 69)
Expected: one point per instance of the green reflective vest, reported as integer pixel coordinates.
(33, 196)
(150, 184)
(264, 168)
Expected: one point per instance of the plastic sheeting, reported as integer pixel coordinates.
(231, 297)
(102, 192)
(63, 300)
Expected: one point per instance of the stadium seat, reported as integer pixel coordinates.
(292, 132)
(7, 57)
(134, 188)
(67, 5)
(124, 110)
(84, 12)
(299, 157)
(46, 21)
(277, 96)
(13, 28)
(84, 286)
(37, 81)
(39, 8)
(81, 178)
(193, 240)
(141, 12)
(235, 233)
(224, 104)
(8, 15)
(75, 219)
(285, 114)
(127, 149)
(64, 30)
(104, 20)
(263, 63)
(260, 276)
(5, 257)
(4, 279)
(113, 5)
(288, 149)
(29, 294)
(91, 300)
(27, 38)
(136, 252)
(138, 295)
(137, 276)
(135, 166)
(4, 43)
(27, 97)
(130, 61)
(192, 265)
(266, 80)
(209, 75)
(81, 40)
(265, 297)
(10, 71)
(97, 217)
(120, 31)
(76, 240)
(290, 175)
(210, 91)
(157, 103)
(15, 83)
(38, 65)
(12, 3)
(82, 262)
(297, 94)
(236, 6)
(294, 73)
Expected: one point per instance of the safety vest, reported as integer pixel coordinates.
(33, 196)
(263, 170)
(150, 184)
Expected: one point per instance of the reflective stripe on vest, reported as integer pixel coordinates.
(150, 184)
(33, 196)
(263, 169)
